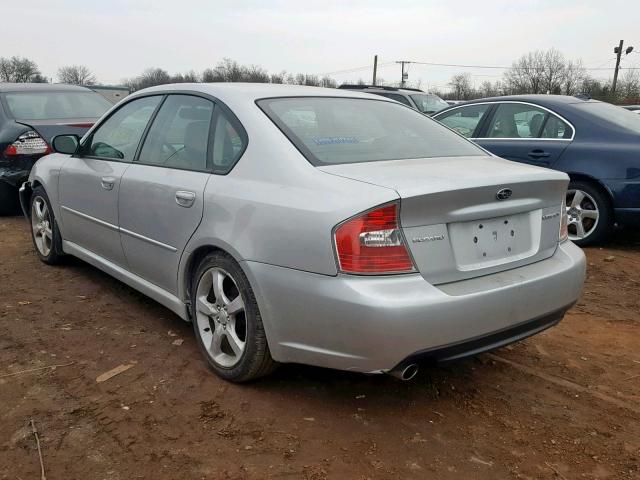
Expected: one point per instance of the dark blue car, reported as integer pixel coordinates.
(596, 143)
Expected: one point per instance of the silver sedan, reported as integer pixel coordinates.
(309, 225)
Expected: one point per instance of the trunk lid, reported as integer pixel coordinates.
(455, 226)
(48, 129)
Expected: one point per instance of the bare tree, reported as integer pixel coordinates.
(228, 71)
(629, 85)
(328, 82)
(278, 77)
(574, 76)
(462, 86)
(18, 70)
(544, 72)
(553, 71)
(148, 78)
(255, 74)
(526, 74)
(76, 75)
(488, 89)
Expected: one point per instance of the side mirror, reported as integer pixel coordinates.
(67, 144)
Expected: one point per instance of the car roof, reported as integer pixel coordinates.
(239, 91)
(545, 100)
(41, 87)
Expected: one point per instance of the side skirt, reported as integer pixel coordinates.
(158, 294)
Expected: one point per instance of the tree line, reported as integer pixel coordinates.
(546, 72)
(227, 70)
(535, 72)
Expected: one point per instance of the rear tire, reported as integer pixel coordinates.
(227, 321)
(44, 228)
(590, 213)
(9, 202)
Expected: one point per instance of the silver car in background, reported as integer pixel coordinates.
(309, 225)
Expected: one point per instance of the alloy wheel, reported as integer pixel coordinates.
(41, 226)
(220, 317)
(582, 213)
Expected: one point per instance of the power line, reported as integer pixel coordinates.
(497, 67)
(357, 69)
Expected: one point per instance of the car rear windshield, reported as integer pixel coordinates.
(429, 103)
(330, 131)
(612, 114)
(55, 105)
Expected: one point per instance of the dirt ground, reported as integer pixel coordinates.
(562, 405)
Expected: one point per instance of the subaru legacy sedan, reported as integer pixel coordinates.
(309, 225)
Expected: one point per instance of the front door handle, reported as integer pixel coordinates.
(107, 182)
(185, 198)
(537, 153)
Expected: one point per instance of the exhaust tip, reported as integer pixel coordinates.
(406, 372)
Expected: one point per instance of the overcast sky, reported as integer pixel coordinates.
(117, 39)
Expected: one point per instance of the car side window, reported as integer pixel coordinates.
(556, 128)
(397, 97)
(516, 120)
(179, 135)
(118, 136)
(229, 142)
(464, 120)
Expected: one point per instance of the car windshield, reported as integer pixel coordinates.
(612, 114)
(56, 105)
(429, 103)
(329, 130)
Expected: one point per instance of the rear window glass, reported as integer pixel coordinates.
(331, 131)
(612, 114)
(429, 103)
(56, 105)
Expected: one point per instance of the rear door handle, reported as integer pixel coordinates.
(107, 182)
(537, 153)
(185, 198)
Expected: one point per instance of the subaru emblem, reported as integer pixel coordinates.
(503, 194)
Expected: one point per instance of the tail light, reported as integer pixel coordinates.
(29, 143)
(564, 222)
(372, 243)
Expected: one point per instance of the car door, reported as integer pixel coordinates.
(525, 133)
(89, 182)
(161, 193)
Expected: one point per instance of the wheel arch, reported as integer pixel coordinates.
(576, 176)
(192, 259)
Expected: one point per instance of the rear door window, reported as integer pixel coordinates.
(229, 142)
(464, 120)
(515, 120)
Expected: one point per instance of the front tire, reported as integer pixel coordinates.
(227, 321)
(590, 214)
(44, 229)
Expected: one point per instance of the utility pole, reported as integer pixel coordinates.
(404, 75)
(618, 51)
(375, 69)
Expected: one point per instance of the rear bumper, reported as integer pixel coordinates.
(371, 324)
